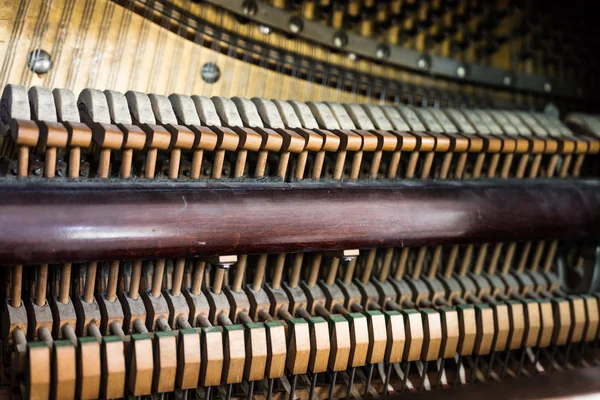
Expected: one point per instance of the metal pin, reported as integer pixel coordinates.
(229, 391)
(440, 373)
(293, 387)
(388, 375)
(332, 387)
(369, 377)
(423, 375)
(350, 383)
(458, 365)
(270, 389)
(250, 390)
(405, 373)
(313, 385)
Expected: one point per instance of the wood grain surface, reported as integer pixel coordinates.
(101, 44)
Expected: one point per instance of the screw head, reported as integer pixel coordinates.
(507, 80)
(249, 8)
(352, 56)
(340, 39)
(424, 62)
(547, 87)
(264, 29)
(210, 72)
(296, 25)
(461, 71)
(382, 52)
(39, 61)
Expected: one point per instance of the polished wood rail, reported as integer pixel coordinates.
(58, 222)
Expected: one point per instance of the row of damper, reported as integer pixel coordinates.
(109, 329)
(193, 136)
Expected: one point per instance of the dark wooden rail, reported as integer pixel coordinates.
(56, 222)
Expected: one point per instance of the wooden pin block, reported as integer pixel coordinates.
(212, 356)
(64, 370)
(234, 351)
(140, 364)
(256, 351)
(298, 345)
(38, 369)
(377, 336)
(450, 331)
(320, 345)
(413, 324)
(432, 334)
(339, 332)
(276, 349)
(396, 336)
(113, 368)
(165, 362)
(88, 368)
(188, 363)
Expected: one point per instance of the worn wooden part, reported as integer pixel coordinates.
(298, 345)
(39, 317)
(413, 325)
(502, 326)
(359, 339)
(64, 370)
(156, 308)
(578, 318)
(114, 372)
(533, 323)
(140, 364)
(396, 336)
(550, 325)
(212, 356)
(378, 336)
(320, 344)
(339, 334)
(276, 350)
(450, 331)
(517, 324)
(165, 362)
(188, 358)
(38, 370)
(256, 351)
(178, 308)
(468, 329)
(234, 350)
(89, 368)
(432, 334)
(592, 318)
(562, 319)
